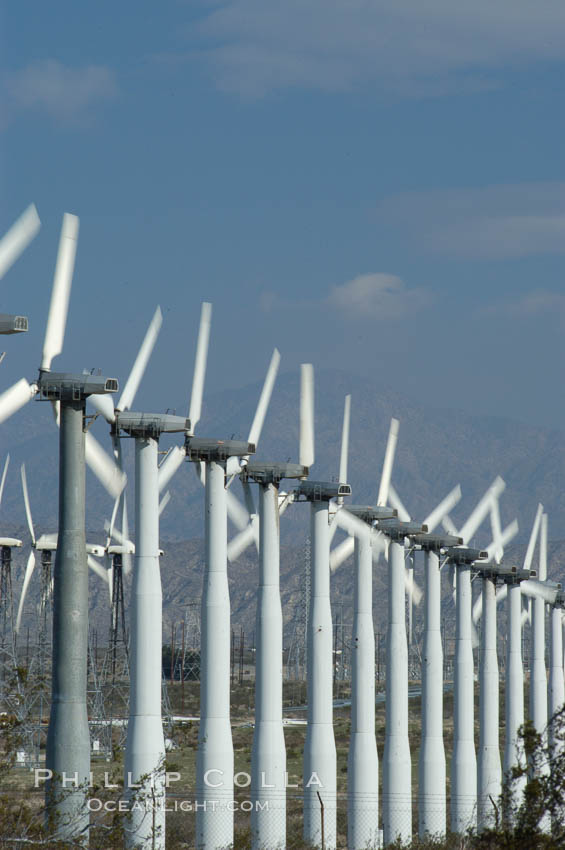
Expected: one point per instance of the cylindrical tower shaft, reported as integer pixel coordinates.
(397, 766)
(145, 746)
(363, 759)
(431, 768)
(68, 739)
(214, 762)
(514, 703)
(464, 762)
(268, 758)
(556, 684)
(489, 776)
(319, 748)
(538, 674)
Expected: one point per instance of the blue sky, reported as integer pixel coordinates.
(375, 186)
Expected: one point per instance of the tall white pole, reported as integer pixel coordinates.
(214, 761)
(538, 674)
(431, 767)
(363, 760)
(556, 683)
(514, 708)
(319, 749)
(268, 756)
(145, 745)
(464, 762)
(397, 765)
(489, 777)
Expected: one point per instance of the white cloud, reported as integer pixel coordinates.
(494, 222)
(255, 46)
(376, 296)
(60, 91)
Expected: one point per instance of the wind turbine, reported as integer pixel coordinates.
(221, 458)
(319, 765)
(12, 244)
(68, 740)
(431, 767)
(538, 673)
(268, 755)
(145, 744)
(464, 760)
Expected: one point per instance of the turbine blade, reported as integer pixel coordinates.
(18, 237)
(164, 502)
(533, 588)
(285, 499)
(140, 364)
(264, 398)
(236, 512)
(438, 513)
(4, 473)
(113, 520)
(108, 473)
(482, 509)
(543, 548)
(13, 399)
(248, 497)
(533, 538)
(449, 525)
(170, 465)
(126, 557)
(104, 404)
(27, 578)
(306, 415)
(27, 504)
(388, 462)
(505, 537)
(343, 457)
(412, 589)
(200, 365)
(240, 542)
(477, 609)
(396, 502)
(341, 553)
(57, 318)
(97, 568)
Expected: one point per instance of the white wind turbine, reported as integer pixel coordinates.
(431, 767)
(464, 761)
(268, 762)
(489, 770)
(145, 745)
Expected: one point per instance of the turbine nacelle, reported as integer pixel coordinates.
(272, 473)
(436, 542)
(205, 449)
(464, 555)
(10, 543)
(506, 575)
(12, 324)
(66, 386)
(321, 491)
(151, 424)
(372, 513)
(395, 529)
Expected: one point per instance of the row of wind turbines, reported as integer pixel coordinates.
(374, 531)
